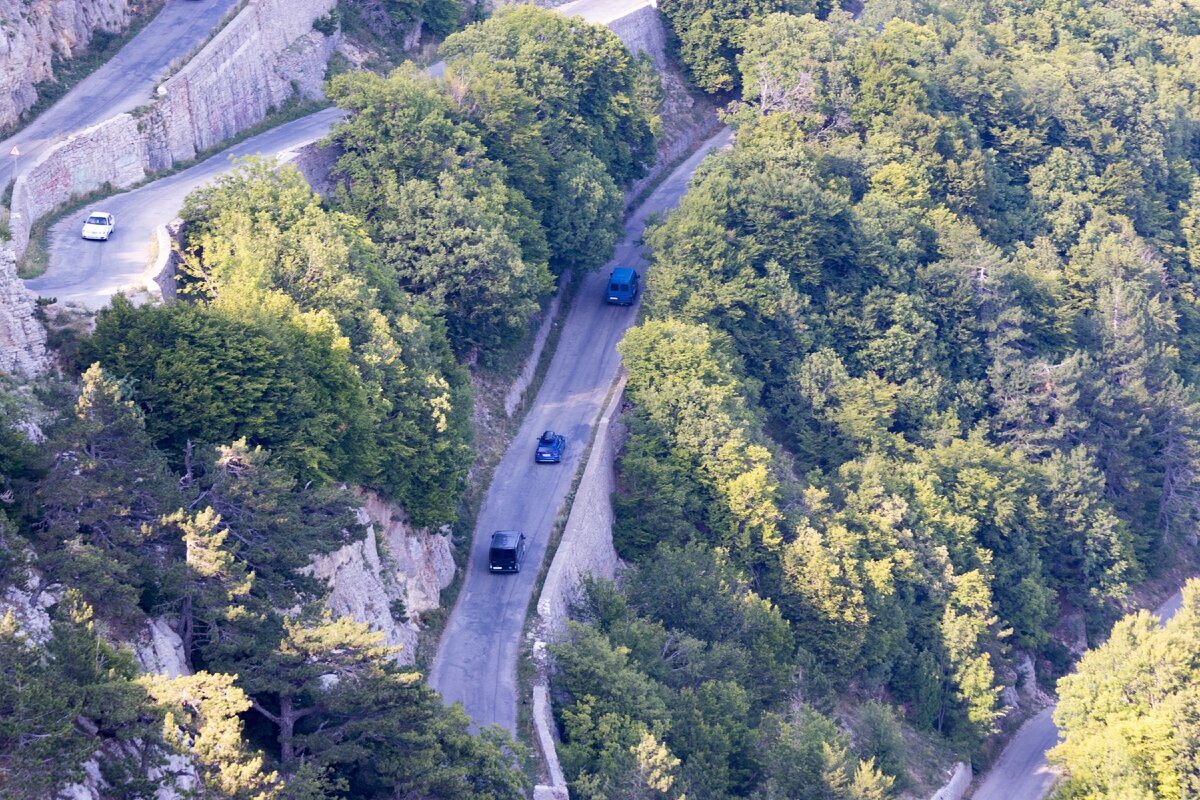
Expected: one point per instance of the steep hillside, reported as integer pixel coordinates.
(37, 33)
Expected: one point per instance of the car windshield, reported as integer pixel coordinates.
(97, 221)
(547, 438)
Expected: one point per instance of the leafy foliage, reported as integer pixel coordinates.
(1129, 713)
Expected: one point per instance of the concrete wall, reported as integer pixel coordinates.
(586, 548)
(35, 31)
(956, 787)
(265, 56)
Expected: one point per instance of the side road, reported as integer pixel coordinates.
(476, 661)
(123, 83)
(1022, 772)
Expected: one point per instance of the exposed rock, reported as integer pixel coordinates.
(35, 31)
(159, 650)
(22, 337)
(173, 775)
(374, 587)
(30, 606)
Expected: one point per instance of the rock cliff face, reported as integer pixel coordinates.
(22, 337)
(34, 31)
(390, 577)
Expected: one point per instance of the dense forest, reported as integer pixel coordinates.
(202, 457)
(915, 385)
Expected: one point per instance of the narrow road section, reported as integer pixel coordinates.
(124, 83)
(476, 662)
(89, 273)
(1022, 772)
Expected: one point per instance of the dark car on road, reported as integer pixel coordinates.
(550, 448)
(507, 551)
(623, 286)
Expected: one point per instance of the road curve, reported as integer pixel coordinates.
(89, 273)
(476, 662)
(1022, 772)
(122, 84)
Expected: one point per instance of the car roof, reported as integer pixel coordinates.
(505, 538)
(623, 273)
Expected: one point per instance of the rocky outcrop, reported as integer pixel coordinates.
(22, 337)
(267, 55)
(174, 776)
(30, 606)
(159, 650)
(389, 577)
(37, 31)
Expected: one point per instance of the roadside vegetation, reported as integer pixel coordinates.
(202, 457)
(1130, 715)
(914, 395)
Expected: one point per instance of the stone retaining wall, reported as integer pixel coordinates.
(266, 55)
(586, 548)
(956, 787)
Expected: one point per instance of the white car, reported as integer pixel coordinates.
(99, 225)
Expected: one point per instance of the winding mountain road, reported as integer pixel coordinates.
(125, 82)
(89, 273)
(476, 662)
(1022, 772)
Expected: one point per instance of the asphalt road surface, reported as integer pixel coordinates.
(476, 662)
(124, 83)
(1022, 772)
(89, 273)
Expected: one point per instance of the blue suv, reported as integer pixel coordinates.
(623, 286)
(550, 448)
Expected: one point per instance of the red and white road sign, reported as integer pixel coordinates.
(14, 151)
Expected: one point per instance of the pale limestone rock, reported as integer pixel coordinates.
(159, 650)
(33, 31)
(413, 567)
(22, 337)
(30, 606)
(175, 775)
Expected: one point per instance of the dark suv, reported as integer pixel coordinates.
(507, 551)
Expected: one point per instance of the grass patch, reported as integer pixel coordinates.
(69, 72)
